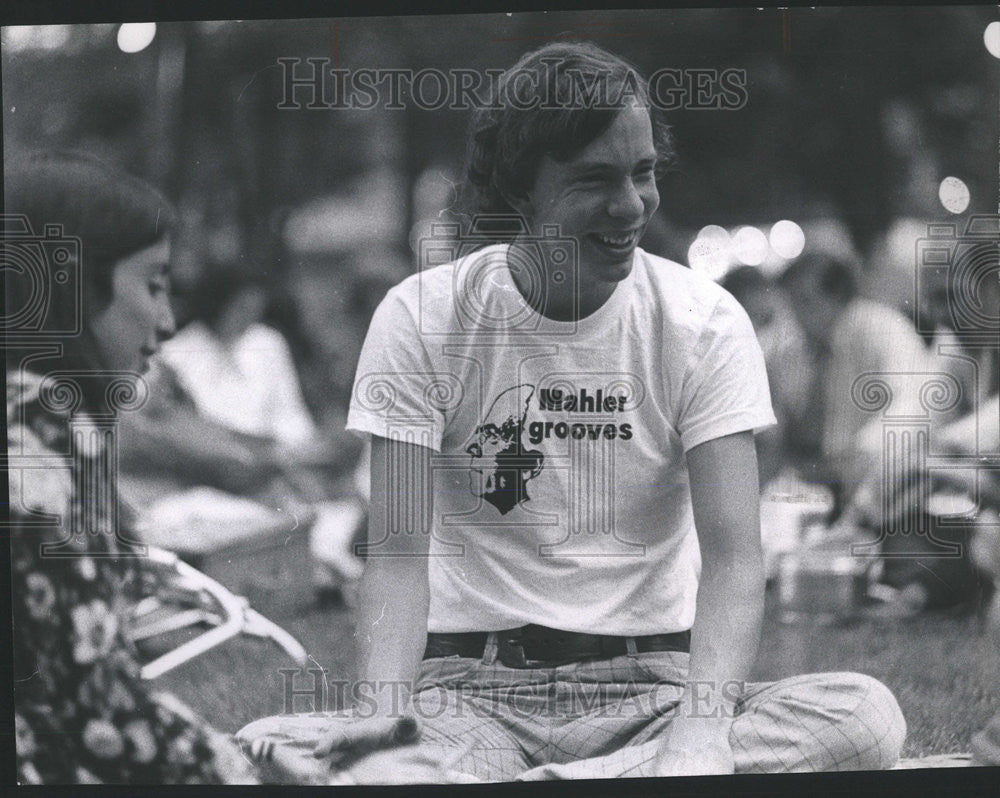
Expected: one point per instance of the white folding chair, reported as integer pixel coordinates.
(186, 597)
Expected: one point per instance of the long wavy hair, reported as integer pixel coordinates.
(68, 220)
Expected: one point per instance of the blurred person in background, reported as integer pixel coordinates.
(854, 336)
(237, 369)
(957, 309)
(82, 715)
(791, 373)
(929, 304)
(231, 396)
(849, 335)
(787, 453)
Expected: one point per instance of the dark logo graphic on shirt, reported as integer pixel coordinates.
(501, 467)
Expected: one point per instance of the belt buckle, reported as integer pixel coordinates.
(510, 652)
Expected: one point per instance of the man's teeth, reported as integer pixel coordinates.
(615, 241)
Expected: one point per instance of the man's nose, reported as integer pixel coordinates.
(627, 202)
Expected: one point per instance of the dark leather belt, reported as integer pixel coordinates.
(534, 646)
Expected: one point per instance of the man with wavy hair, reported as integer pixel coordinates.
(605, 628)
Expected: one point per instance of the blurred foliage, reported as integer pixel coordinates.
(841, 103)
(856, 114)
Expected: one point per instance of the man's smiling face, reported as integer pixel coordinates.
(604, 196)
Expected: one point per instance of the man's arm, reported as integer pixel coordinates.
(394, 596)
(726, 631)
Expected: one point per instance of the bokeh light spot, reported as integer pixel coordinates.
(787, 239)
(954, 195)
(134, 37)
(750, 246)
(991, 38)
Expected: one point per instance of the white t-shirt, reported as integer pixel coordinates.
(250, 387)
(561, 491)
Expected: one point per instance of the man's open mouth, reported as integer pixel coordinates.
(616, 242)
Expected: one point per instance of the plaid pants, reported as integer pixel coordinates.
(483, 721)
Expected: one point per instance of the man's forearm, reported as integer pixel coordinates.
(391, 630)
(394, 599)
(726, 630)
(725, 634)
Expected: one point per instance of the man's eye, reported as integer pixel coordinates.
(156, 287)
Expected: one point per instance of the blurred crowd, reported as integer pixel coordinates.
(856, 345)
(248, 401)
(244, 426)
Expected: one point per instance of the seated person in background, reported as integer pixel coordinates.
(787, 452)
(864, 337)
(850, 336)
(171, 446)
(231, 417)
(790, 370)
(238, 371)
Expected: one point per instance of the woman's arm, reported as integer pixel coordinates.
(177, 443)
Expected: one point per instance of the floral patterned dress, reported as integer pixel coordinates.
(82, 715)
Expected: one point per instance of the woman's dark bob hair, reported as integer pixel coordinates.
(553, 102)
(68, 220)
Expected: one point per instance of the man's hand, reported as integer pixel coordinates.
(696, 747)
(348, 741)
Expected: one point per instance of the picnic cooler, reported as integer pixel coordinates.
(822, 583)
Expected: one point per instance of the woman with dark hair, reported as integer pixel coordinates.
(87, 304)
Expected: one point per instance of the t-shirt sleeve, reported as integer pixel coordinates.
(397, 393)
(725, 388)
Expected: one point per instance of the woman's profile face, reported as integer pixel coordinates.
(129, 330)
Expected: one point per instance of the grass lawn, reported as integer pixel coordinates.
(943, 670)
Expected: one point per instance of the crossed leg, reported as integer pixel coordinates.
(814, 722)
